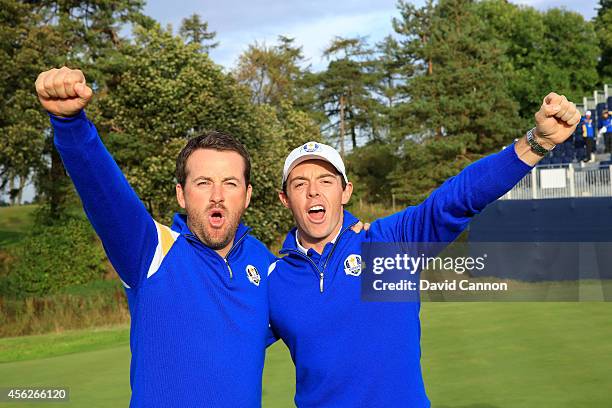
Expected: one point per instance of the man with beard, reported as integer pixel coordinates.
(351, 353)
(197, 298)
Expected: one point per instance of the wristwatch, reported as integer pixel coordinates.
(535, 146)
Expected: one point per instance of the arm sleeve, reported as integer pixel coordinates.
(127, 231)
(272, 337)
(448, 210)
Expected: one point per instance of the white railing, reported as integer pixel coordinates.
(563, 181)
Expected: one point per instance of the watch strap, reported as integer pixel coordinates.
(535, 146)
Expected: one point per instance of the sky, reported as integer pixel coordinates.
(313, 24)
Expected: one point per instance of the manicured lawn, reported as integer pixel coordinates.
(57, 344)
(475, 355)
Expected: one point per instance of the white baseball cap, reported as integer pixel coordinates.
(314, 151)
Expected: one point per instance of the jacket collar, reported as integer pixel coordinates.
(179, 224)
(290, 243)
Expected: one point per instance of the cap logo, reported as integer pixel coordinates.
(311, 147)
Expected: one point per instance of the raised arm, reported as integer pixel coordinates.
(448, 210)
(127, 231)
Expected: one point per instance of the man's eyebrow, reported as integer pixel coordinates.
(205, 178)
(321, 176)
(231, 178)
(297, 178)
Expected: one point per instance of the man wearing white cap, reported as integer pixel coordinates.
(588, 134)
(350, 353)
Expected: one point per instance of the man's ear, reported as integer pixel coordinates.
(284, 199)
(249, 192)
(180, 195)
(346, 194)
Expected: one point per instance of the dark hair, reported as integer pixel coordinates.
(216, 141)
(337, 173)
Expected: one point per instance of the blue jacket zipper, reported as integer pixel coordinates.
(320, 272)
(225, 259)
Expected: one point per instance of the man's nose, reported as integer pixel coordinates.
(216, 194)
(313, 190)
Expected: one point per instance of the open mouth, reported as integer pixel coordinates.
(216, 218)
(316, 213)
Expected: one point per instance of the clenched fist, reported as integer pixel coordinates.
(63, 91)
(556, 120)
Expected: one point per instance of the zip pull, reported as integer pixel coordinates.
(321, 282)
(230, 269)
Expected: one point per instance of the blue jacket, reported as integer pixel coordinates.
(350, 353)
(199, 322)
(587, 129)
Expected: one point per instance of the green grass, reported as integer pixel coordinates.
(100, 378)
(14, 349)
(14, 223)
(475, 355)
(494, 355)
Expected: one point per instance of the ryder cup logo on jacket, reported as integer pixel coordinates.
(311, 147)
(352, 265)
(253, 275)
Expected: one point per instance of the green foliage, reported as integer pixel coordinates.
(603, 27)
(195, 31)
(545, 51)
(51, 258)
(344, 91)
(422, 167)
(461, 90)
(369, 167)
(272, 73)
(39, 36)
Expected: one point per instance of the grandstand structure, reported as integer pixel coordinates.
(564, 173)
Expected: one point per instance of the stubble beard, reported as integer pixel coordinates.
(213, 238)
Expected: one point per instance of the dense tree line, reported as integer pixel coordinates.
(456, 80)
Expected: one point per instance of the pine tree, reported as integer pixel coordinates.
(344, 91)
(195, 31)
(459, 106)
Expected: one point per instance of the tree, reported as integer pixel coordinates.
(343, 91)
(458, 106)
(20, 124)
(460, 90)
(552, 50)
(47, 34)
(390, 74)
(273, 74)
(370, 167)
(603, 27)
(195, 31)
(414, 55)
